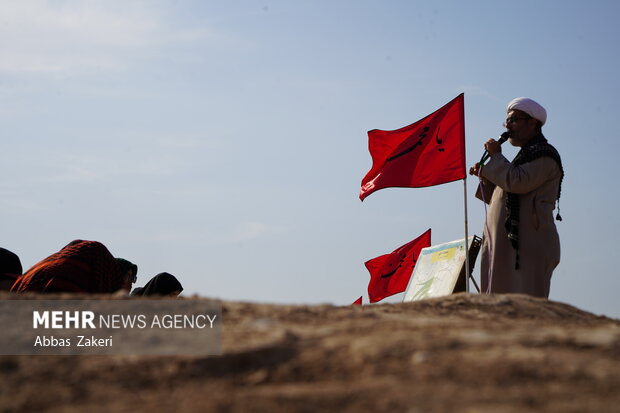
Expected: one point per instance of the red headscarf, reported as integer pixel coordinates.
(81, 266)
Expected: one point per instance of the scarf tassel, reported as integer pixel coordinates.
(517, 261)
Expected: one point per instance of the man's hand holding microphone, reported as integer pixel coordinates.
(491, 147)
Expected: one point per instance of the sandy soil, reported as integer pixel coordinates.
(465, 353)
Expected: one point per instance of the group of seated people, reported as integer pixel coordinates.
(81, 267)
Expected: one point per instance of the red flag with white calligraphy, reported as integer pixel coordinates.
(390, 273)
(426, 153)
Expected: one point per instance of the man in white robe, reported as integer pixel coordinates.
(521, 245)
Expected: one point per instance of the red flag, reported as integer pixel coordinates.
(358, 301)
(390, 273)
(426, 153)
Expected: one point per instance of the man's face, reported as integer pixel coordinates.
(521, 126)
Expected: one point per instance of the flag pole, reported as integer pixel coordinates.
(467, 273)
(465, 198)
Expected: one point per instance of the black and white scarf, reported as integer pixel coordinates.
(536, 148)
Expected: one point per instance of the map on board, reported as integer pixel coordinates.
(437, 270)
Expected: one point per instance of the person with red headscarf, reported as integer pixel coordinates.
(81, 267)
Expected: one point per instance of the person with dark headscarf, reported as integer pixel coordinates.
(162, 284)
(81, 266)
(10, 269)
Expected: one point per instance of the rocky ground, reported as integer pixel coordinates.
(464, 352)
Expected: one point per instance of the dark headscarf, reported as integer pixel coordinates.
(162, 284)
(9, 262)
(81, 266)
(10, 268)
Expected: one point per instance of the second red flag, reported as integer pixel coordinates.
(390, 273)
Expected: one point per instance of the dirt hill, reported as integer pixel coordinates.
(465, 353)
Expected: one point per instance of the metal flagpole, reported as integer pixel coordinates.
(465, 205)
(467, 273)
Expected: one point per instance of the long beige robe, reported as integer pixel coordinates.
(537, 184)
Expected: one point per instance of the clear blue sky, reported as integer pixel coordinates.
(225, 141)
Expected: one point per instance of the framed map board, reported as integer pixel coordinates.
(439, 268)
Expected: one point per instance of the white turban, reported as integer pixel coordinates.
(530, 107)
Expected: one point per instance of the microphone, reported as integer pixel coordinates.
(503, 138)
